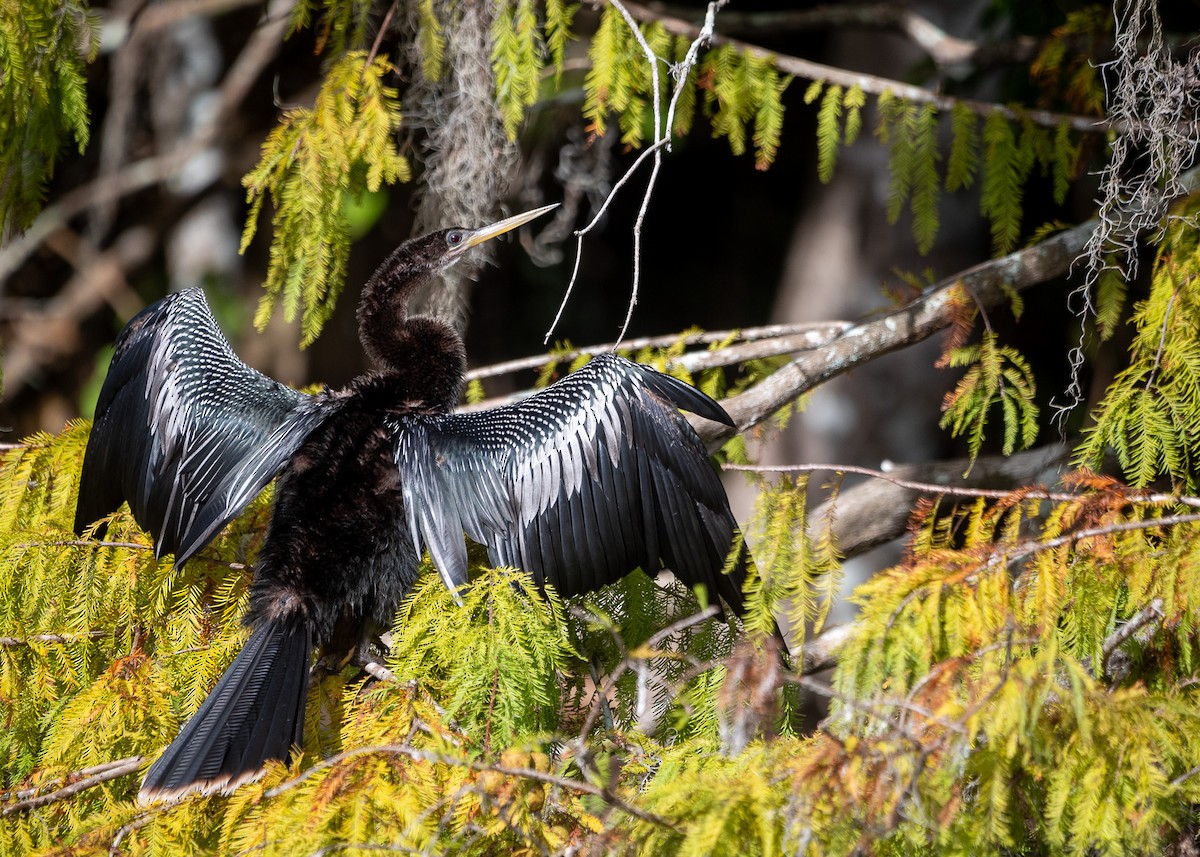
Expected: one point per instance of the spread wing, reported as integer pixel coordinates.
(578, 485)
(184, 430)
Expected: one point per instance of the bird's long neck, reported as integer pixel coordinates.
(425, 355)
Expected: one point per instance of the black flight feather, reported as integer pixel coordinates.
(655, 497)
(255, 713)
(184, 430)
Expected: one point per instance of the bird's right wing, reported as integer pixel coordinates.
(184, 430)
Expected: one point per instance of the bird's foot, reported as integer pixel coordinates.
(378, 671)
(364, 657)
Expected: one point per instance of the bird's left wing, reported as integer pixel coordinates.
(184, 430)
(578, 485)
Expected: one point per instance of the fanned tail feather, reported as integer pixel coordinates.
(255, 713)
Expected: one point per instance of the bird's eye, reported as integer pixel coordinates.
(455, 237)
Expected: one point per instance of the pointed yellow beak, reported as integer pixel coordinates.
(487, 233)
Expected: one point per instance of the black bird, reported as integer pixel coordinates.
(578, 485)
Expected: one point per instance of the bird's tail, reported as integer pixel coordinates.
(255, 713)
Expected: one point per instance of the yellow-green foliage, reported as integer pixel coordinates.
(44, 46)
(620, 80)
(559, 16)
(1065, 67)
(742, 92)
(1109, 299)
(745, 89)
(963, 161)
(1149, 414)
(309, 170)
(517, 53)
(831, 133)
(1006, 166)
(998, 374)
(431, 42)
(312, 163)
(796, 577)
(909, 130)
(341, 24)
(975, 694)
(984, 702)
(494, 661)
(104, 649)
(719, 806)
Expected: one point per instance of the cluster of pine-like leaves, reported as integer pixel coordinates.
(44, 47)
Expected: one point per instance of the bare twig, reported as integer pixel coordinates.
(682, 624)
(73, 776)
(871, 514)
(1113, 662)
(696, 361)
(941, 47)
(69, 637)
(874, 513)
(136, 823)
(815, 334)
(434, 757)
(87, 778)
(660, 134)
(1029, 548)
(935, 470)
(662, 140)
(1152, 612)
(383, 28)
(880, 709)
(579, 234)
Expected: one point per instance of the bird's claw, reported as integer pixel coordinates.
(364, 657)
(378, 671)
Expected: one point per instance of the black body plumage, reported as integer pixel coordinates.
(579, 484)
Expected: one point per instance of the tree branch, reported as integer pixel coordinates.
(810, 70)
(815, 334)
(14, 642)
(848, 346)
(820, 652)
(1113, 662)
(53, 334)
(79, 781)
(914, 322)
(433, 757)
(662, 140)
(876, 512)
(941, 47)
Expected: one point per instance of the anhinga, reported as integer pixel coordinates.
(579, 484)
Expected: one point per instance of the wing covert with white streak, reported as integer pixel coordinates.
(184, 430)
(579, 484)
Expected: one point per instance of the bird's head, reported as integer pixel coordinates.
(437, 251)
(383, 322)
